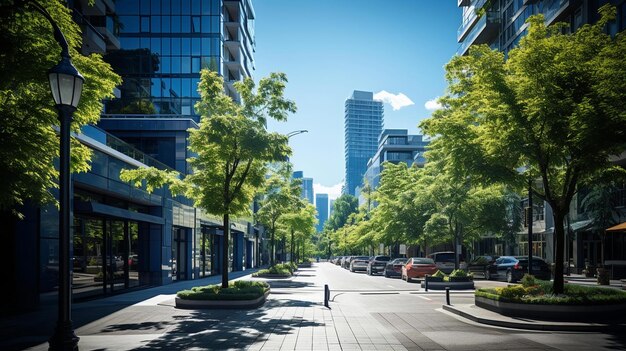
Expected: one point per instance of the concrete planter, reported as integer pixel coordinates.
(272, 276)
(221, 304)
(441, 285)
(573, 313)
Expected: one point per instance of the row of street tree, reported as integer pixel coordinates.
(554, 110)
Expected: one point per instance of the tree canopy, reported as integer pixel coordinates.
(29, 143)
(232, 148)
(556, 108)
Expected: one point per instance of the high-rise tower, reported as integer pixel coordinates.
(363, 125)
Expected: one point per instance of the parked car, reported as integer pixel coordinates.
(377, 264)
(345, 262)
(479, 266)
(394, 268)
(513, 268)
(445, 261)
(418, 267)
(359, 263)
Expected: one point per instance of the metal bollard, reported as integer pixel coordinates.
(426, 283)
(448, 296)
(326, 295)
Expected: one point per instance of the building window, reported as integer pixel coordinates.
(195, 24)
(145, 24)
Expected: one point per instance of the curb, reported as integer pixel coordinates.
(575, 327)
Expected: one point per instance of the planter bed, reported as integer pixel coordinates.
(583, 313)
(221, 304)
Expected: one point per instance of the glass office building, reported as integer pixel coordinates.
(321, 204)
(395, 146)
(363, 125)
(163, 46)
(307, 186)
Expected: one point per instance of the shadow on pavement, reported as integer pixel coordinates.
(287, 284)
(222, 329)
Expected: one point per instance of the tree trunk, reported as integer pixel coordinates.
(225, 251)
(273, 250)
(559, 215)
(293, 244)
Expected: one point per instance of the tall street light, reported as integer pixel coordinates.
(66, 84)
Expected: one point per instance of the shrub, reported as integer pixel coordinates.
(528, 280)
(439, 274)
(541, 293)
(237, 290)
(274, 270)
(458, 273)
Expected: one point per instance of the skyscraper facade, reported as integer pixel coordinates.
(363, 125)
(307, 186)
(321, 204)
(395, 146)
(164, 45)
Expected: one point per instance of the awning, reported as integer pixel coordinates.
(576, 227)
(618, 228)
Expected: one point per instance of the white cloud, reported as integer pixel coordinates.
(333, 191)
(396, 101)
(432, 105)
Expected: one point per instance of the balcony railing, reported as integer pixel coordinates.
(484, 30)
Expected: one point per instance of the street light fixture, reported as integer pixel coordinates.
(296, 132)
(66, 85)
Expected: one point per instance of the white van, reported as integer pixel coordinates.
(445, 261)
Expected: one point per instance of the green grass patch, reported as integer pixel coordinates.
(237, 290)
(534, 291)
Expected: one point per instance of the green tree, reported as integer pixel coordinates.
(343, 206)
(29, 143)
(232, 148)
(401, 211)
(300, 222)
(556, 106)
(281, 194)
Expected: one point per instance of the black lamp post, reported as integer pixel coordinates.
(66, 85)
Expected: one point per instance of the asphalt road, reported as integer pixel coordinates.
(416, 319)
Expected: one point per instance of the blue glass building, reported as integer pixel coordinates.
(395, 146)
(363, 125)
(321, 204)
(307, 186)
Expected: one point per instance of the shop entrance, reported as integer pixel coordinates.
(179, 254)
(106, 256)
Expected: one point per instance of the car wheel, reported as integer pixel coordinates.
(385, 274)
(487, 274)
(368, 271)
(509, 277)
(351, 269)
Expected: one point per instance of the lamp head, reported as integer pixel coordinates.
(66, 83)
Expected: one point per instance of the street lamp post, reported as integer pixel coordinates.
(66, 84)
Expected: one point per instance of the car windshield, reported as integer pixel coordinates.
(421, 260)
(399, 261)
(382, 258)
(362, 258)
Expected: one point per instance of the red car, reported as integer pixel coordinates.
(418, 267)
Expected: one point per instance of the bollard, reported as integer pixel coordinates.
(448, 296)
(326, 295)
(426, 283)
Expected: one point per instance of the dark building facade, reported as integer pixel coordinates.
(124, 238)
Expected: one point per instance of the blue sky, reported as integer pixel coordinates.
(328, 48)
